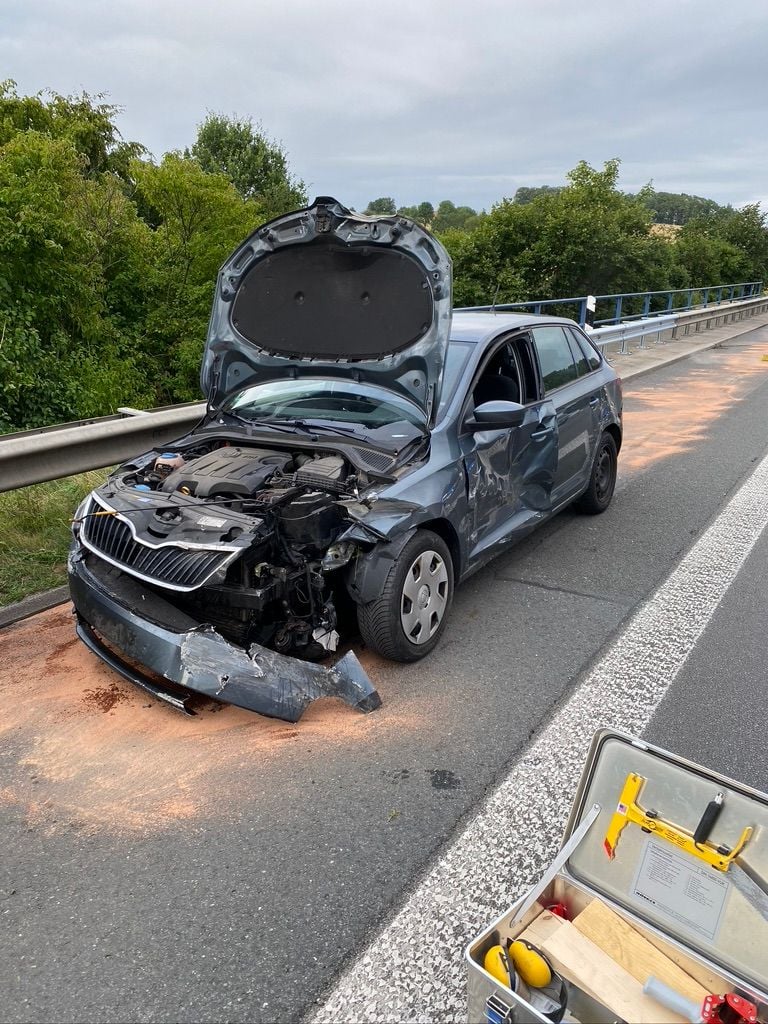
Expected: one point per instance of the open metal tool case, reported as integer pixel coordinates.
(688, 900)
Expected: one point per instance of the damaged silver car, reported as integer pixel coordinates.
(364, 449)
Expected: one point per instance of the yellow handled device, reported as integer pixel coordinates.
(629, 810)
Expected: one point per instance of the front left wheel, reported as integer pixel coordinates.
(407, 620)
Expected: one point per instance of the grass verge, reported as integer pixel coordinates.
(34, 534)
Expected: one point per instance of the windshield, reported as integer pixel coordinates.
(326, 400)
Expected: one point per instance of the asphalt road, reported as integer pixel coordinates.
(226, 869)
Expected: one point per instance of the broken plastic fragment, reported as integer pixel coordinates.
(267, 682)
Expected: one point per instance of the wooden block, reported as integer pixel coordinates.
(708, 979)
(584, 964)
(541, 928)
(634, 952)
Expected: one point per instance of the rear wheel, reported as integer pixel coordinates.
(406, 622)
(602, 482)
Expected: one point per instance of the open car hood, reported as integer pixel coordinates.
(325, 292)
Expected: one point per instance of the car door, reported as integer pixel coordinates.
(510, 471)
(566, 383)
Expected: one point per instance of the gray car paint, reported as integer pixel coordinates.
(327, 229)
(481, 489)
(467, 467)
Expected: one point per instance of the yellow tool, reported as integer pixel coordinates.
(629, 810)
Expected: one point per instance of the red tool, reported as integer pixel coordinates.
(725, 1009)
(728, 1009)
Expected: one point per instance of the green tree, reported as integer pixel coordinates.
(424, 213)
(586, 237)
(86, 122)
(526, 195)
(679, 208)
(746, 229)
(255, 164)
(448, 216)
(385, 206)
(198, 218)
(62, 354)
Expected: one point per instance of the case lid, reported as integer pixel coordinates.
(661, 876)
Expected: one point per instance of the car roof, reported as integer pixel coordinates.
(474, 326)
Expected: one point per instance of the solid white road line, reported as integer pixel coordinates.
(414, 969)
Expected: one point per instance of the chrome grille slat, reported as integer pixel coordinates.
(167, 564)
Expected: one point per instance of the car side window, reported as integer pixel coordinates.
(500, 378)
(589, 351)
(582, 366)
(555, 358)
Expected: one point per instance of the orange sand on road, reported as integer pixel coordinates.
(672, 418)
(94, 751)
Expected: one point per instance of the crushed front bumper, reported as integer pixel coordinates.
(113, 607)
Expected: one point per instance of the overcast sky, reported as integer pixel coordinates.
(428, 99)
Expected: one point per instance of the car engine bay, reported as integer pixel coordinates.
(242, 538)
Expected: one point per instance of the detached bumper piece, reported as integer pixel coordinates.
(268, 682)
(194, 657)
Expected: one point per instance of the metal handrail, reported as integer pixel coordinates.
(34, 456)
(735, 292)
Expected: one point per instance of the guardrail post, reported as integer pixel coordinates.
(617, 310)
(670, 301)
(646, 305)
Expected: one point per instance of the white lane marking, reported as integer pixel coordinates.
(414, 969)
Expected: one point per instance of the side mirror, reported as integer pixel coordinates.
(498, 414)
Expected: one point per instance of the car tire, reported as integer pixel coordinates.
(406, 622)
(602, 480)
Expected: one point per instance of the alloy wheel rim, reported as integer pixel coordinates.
(424, 597)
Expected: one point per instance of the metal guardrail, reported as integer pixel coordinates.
(666, 302)
(49, 453)
(675, 325)
(32, 457)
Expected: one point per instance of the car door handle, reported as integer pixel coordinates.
(539, 435)
(594, 401)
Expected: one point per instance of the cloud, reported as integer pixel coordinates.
(429, 100)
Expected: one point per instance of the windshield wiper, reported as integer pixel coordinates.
(336, 428)
(289, 426)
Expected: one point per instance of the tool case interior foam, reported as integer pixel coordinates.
(652, 900)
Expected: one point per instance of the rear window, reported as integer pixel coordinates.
(555, 358)
(590, 352)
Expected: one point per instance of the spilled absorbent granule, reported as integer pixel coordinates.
(104, 698)
(669, 419)
(95, 752)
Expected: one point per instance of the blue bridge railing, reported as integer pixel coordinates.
(614, 309)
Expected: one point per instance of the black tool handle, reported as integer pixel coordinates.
(708, 819)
